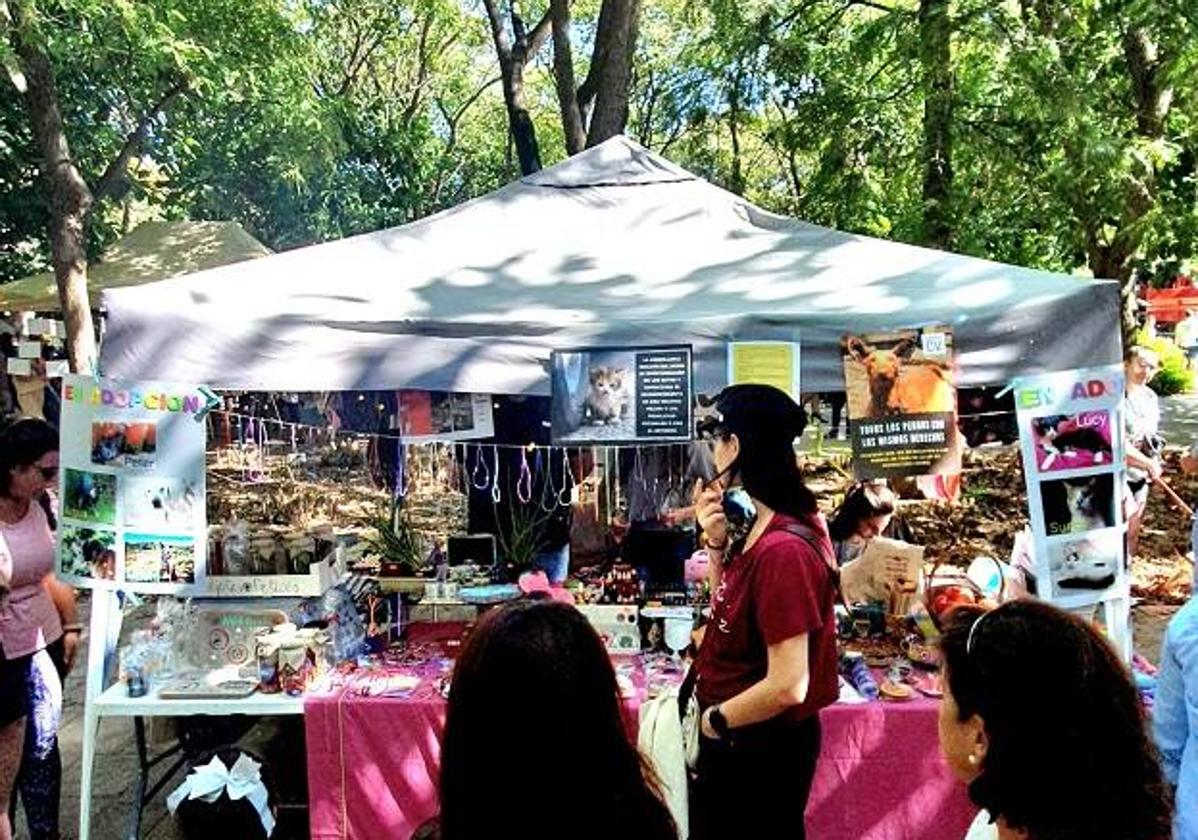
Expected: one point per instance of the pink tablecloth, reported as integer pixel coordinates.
(372, 770)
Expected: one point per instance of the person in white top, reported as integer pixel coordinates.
(1142, 423)
(1186, 335)
(1043, 722)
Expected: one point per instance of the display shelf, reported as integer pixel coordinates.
(115, 702)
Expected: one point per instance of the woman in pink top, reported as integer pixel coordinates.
(38, 623)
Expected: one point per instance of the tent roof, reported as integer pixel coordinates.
(154, 251)
(615, 246)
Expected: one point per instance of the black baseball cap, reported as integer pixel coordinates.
(753, 411)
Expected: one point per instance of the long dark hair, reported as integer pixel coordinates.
(536, 744)
(864, 500)
(22, 443)
(766, 421)
(1069, 756)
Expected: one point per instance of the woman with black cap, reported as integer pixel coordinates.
(768, 660)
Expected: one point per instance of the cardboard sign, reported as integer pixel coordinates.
(132, 496)
(890, 571)
(765, 363)
(902, 402)
(609, 396)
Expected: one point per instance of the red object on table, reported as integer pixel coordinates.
(373, 764)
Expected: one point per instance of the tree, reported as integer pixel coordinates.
(134, 65)
(591, 112)
(935, 35)
(515, 46)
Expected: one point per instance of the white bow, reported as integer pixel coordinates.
(243, 781)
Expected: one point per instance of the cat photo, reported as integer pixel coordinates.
(594, 396)
(607, 400)
(1077, 505)
(1070, 442)
(1087, 565)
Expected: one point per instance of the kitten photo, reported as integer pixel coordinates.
(1076, 505)
(607, 400)
(1079, 445)
(1083, 565)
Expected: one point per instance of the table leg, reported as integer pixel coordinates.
(143, 777)
(91, 729)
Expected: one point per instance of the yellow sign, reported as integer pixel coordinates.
(765, 363)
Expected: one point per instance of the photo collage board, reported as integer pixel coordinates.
(1071, 437)
(132, 495)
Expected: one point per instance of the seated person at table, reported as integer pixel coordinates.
(1044, 723)
(535, 743)
(866, 512)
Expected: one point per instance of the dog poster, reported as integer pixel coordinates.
(132, 485)
(902, 402)
(604, 396)
(1071, 439)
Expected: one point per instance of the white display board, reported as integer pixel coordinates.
(132, 495)
(1072, 442)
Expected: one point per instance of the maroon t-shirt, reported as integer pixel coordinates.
(778, 589)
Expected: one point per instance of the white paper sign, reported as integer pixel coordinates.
(57, 368)
(38, 326)
(131, 488)
(29, 349)
(18, 367)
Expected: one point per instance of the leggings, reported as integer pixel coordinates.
(758, 786)
(39, 781)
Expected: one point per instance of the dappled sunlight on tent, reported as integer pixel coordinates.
(614, 245)
(980, 294)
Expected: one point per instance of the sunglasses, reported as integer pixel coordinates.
(710, 427)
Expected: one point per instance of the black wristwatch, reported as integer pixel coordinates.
(720, 724)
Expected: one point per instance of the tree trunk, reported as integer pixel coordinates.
(935, 35)
(611, 69)
(68, 195)
(563, 75)
(514, 51)
(737, 185)
(524, 132)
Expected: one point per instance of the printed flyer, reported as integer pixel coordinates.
(614, 396)
(426, 416)
(132, 498)
(765, 363)
(1072, 444)
(902, 402)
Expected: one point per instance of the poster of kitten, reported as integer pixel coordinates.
(599, 390)
(608, 395)
(1077, 505)
(1085, 565)
(1070, 442)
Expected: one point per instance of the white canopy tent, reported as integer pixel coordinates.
(615, 246)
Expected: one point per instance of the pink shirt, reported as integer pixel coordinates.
(28, 619)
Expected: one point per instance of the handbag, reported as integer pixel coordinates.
(689, 714)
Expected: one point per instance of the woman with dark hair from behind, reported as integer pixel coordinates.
(866, 512)
(536, 744)
(768, 660)
(1044, 723)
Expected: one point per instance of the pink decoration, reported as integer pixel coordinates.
(538, 581)
(696, 567)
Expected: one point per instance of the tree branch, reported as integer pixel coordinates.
(117, 168)
(503, 44)
(540, 32)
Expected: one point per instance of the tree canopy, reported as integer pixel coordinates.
(1059, 134)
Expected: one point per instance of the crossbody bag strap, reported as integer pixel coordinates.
(809, 536)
